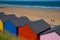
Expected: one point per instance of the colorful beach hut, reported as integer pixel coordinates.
(54, 29)
(1, 22)
(12, 25)
(50, 36)
(33, 30)
(4, 18)
(1, 25)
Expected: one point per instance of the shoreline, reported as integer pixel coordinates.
(34, 13)
(35, 7)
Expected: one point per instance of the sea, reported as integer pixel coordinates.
(33, 4)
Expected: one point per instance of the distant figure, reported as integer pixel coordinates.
(52, 20)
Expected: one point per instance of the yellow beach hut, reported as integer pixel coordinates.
(1, 22)
(1, 26)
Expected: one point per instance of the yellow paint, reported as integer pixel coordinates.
(1, 26)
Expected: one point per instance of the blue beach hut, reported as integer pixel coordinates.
(12, 25)
(4, 18)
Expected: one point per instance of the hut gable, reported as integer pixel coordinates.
(20, 21)
(6, 17)
(55, 29)
(39, 26)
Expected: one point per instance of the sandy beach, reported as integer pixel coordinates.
(34, 13)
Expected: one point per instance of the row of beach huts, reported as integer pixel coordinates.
(30, 30)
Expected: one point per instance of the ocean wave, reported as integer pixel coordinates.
(45, 7)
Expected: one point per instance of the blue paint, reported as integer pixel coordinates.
(9, 26)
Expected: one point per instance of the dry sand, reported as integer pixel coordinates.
(34, 13)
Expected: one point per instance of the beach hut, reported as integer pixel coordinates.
(50, 36)
(1, 22)
(33, 30)
(12, 25)
(54, 29)
(4, 18)
(1, 25)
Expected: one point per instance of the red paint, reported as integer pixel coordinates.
(27, 33)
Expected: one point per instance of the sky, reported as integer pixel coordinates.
(29, 0)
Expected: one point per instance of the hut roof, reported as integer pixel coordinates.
(55, 29)
(39, 26)
(6, 17)
(20, 21)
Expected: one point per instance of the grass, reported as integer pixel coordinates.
(7, 36)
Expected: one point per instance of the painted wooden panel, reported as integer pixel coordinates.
(9, 26)
(1, 26)
(27, 33)
(50, 36)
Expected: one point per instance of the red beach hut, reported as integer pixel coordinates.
(32, 30)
